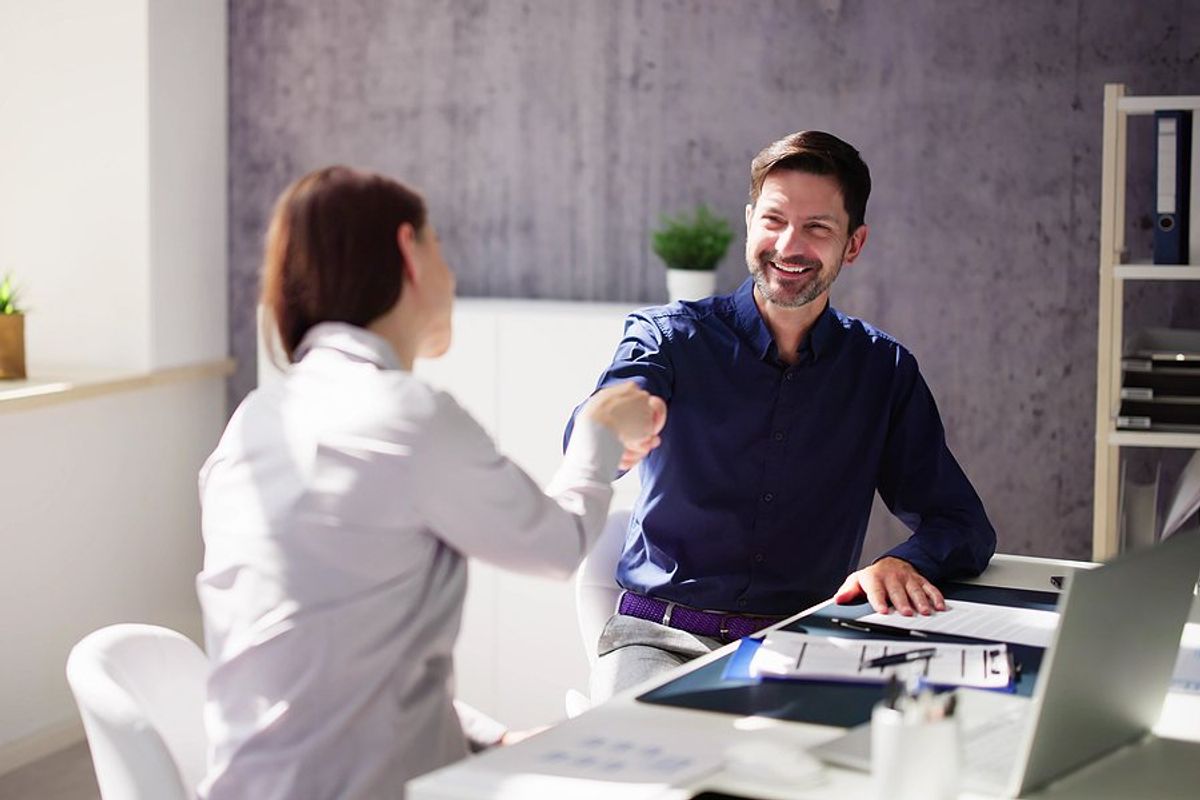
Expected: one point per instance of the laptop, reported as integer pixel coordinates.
(1101, 684)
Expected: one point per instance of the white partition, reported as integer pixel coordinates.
(520, 367)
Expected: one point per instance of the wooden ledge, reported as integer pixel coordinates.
(70, 385)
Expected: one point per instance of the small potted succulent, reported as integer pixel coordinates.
(691, 247)
(12, 332)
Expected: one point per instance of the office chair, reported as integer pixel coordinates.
(596, 594)
(140, 691)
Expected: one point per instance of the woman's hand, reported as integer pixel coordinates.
(634, 415)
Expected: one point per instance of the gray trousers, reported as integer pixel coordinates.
(633, 650)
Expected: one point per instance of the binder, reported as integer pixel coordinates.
(1172, 186)
(1194, 202)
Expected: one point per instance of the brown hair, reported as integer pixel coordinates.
(817, 153)
(332, 254)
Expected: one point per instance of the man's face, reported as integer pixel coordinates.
(797, 237)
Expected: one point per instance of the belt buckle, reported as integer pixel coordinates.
(724, 629)
(667, 612)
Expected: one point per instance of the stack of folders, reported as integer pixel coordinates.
(1160, 381)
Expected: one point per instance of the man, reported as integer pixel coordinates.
(786, 416)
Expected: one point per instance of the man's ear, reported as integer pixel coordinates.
(854, 246)
(749, 215)
(406, 237)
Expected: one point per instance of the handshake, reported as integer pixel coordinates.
(633, 415)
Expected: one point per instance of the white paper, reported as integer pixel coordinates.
(786, 654)
(637, 760)
(1185, 500)
(1186, 677)
(980, 621)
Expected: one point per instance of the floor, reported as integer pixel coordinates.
(65, 775)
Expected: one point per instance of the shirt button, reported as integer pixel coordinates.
(758, 558)
(768, 497)
(789, 376)
(778, 436)
(743, 603)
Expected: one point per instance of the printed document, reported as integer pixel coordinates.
(785, 654)
(979, 621)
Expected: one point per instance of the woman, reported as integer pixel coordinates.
(340, 504)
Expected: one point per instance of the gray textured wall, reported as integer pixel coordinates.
(549, 135)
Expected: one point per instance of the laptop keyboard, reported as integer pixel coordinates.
(989, 749)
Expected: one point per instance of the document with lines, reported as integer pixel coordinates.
(802, 656)
(980, 621)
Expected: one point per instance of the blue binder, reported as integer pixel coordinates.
(1172, 190)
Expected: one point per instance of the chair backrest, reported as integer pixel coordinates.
(596, 589)
(141, 691)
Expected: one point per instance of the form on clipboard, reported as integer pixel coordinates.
(801, 656)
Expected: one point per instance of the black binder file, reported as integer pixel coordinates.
(1172, 190)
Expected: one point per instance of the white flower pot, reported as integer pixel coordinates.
(690, 284)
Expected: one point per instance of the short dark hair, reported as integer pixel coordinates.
(817, 153)
(332, 253)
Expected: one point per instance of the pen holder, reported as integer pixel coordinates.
(913, 757)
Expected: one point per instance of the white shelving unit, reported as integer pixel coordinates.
(1106, 529)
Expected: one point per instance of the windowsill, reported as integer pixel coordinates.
(67, 385)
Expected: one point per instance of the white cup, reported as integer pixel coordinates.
(914, 759)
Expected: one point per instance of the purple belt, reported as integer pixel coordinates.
(716, 624)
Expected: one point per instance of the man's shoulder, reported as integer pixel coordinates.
(685, 314)
(868, 335)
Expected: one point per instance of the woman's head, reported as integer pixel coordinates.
(333, 253)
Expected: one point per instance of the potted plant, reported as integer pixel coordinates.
(691, 247)
(12, 332)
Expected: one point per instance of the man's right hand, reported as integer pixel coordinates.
(633, 415)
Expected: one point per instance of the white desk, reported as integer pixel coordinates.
(1160, 768)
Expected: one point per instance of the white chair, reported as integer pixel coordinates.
(596, 594)
(141, 690)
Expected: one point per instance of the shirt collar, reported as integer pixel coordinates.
(350, 339)
(751, 324)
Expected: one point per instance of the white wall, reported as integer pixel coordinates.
(112, 217)
(188, 120)
(100, 525)
(112, 178)
(73, 177)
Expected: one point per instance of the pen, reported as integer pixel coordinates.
(875, 627)
(902, 658)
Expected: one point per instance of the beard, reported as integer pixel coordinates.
(791, 296)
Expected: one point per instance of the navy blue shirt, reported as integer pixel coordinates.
(759, 496)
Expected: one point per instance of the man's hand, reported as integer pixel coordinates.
(895, 581)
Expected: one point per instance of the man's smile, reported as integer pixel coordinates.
(792, 269)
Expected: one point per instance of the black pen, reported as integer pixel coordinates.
(875, 627)
(902, 658)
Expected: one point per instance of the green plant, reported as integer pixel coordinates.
(697, 242)
(9, 304)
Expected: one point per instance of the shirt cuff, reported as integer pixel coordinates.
(594, 452)
(911, 552)
(481, 730)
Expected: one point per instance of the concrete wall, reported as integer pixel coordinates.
(549, 136)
